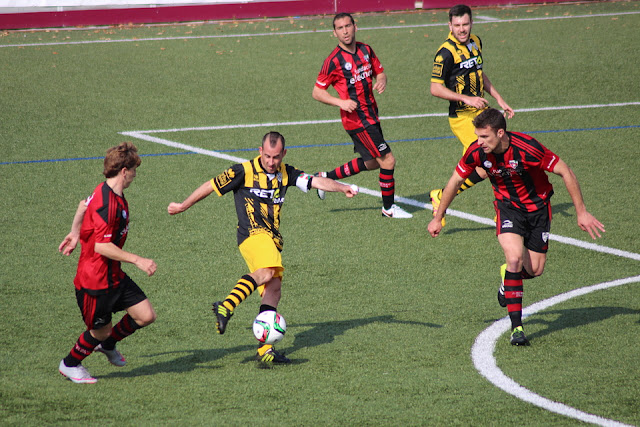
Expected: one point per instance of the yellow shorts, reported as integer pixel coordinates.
(462, 127)
(259, 251)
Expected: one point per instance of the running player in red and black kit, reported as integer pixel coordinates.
(101, 223)
(516, 165)
(351, 69)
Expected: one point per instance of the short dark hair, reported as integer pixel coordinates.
(340, 16)
(273, 137)
(121, 156)
(460, 10)
(490, 118)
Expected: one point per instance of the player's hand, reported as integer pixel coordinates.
(174, 208)
(351, 190)
(68, 244)
(434, 227)
(147, 265)
(476, 102)
(507, 111)
(590, 224)
(380, 85)
(348, 105)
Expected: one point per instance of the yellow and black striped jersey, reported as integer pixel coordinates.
(258, 196)
(459, 68)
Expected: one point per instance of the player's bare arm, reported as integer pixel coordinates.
(200, 193)
(113, 252)
(448, 194)
(441, 91)
(586, 221)
(348, 105)
(491, 90)
(328, 184)
(70, 242)
(381, 83)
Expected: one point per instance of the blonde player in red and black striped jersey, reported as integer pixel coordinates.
(458, 76)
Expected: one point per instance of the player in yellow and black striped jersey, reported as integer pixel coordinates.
(458, 77)
(259, 187)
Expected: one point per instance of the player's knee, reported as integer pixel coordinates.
(101, 334)
(146, 318)
(514, 264)
(388, 161)
(263, 275)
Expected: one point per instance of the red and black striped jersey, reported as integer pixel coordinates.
(106, 220)
(459, 67)
(519, 174)
(352, 77)
(258, 196)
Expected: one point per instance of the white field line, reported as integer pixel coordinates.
(406, 116)
(485, 20)
(485, 363)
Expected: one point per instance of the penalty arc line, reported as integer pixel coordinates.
(484, 362)
(482, 350)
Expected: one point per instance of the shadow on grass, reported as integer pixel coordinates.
(325, 332)
(453, 230)
(561, 209)
(320, 333)
(191, 360)
(575, 317)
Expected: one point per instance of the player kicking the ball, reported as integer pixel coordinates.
(516, 165)
(259, 187)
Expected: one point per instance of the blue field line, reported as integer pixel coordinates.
(236, 150)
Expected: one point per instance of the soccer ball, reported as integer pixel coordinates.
(269, 327)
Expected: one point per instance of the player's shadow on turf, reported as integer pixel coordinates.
(561, 209)
(575, 317)
(319, 334)
(322, 333)
(326, 332)
(454, 230)
(191, 360)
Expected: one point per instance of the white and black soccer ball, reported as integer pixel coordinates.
(269, 327)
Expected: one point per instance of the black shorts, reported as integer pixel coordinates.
(369, 142)
(534, 227)
(97, 309)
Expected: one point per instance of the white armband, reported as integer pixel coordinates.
(304, 182)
